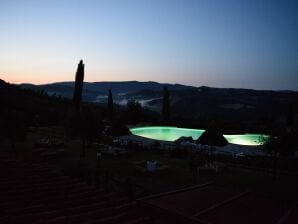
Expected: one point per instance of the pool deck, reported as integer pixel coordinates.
(229, 149)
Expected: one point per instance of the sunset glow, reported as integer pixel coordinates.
(246, 44)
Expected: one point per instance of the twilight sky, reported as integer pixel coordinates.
(223, 43)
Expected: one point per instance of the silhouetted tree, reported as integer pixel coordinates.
(212, 136)
(282, 143)
(110, 106)
(290, 115)
(118, 129)
(13, 127)
(134, 111)
(36, 108)
(85, 125)
(166, 105)
(77, 95)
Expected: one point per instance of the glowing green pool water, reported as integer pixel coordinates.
(173, 133)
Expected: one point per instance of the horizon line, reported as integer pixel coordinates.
(163, 83)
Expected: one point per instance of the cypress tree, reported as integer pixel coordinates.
(166, 105)
(110, 106)
(290, 115)
(77, 95)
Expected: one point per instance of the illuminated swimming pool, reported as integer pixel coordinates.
(173, 133)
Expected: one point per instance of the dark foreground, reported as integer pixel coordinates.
(37, 192)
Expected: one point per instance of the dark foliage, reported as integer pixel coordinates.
(290, 115)
(110, 106)
(184, 139)
(134, 112)
(118, 130)
(36, 108)
(212, 136)
(166, 104)
(13, 127)
(84, 124)
(282, 143)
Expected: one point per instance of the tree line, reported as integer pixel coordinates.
(23, 108)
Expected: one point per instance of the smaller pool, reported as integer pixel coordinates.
(247, 139)
(173, 133)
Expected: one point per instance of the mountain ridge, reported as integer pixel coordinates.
(71, 83)
(189, 102)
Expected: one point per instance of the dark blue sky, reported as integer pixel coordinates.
(233, 43)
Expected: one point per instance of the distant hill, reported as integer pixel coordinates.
(63, 90)
(239, 105)
(97, 91)
(125, 86)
